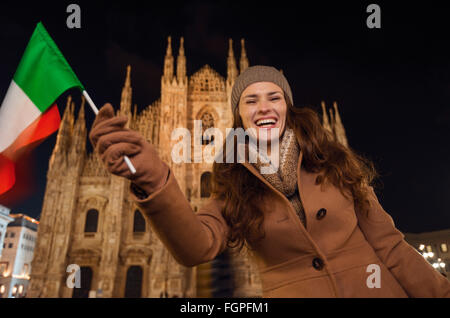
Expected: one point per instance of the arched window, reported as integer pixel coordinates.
(205, 184)
(139, 222)
(20, 290)
(207, 122)
(85, 283)
(133, 285)
(14, 291)
(91, 221)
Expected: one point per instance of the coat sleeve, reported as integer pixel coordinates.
(192, 238)
(412, 271)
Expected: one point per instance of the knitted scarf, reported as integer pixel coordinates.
(284, 179)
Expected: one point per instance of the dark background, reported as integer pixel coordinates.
(392, 84)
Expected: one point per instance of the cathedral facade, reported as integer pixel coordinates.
(89, 222)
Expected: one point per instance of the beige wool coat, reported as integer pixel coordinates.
(331, 257)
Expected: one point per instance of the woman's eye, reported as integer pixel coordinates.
(250, 102)
(275, 98)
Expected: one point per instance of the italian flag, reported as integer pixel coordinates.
(28, 113)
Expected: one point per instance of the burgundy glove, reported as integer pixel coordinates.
(112, 142)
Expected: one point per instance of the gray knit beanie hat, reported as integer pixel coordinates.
(258, 73)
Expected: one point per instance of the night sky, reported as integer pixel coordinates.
(392, 84)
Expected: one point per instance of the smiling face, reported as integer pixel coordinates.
(262, 106)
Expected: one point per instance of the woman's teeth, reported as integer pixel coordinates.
(266, 122)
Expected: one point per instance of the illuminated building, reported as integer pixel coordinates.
(434, 246)
(4, 220)
(15, 263)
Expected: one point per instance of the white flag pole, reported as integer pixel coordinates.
(91, 103)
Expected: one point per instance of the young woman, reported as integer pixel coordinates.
(314, 225)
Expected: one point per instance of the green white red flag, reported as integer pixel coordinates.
(28, 112)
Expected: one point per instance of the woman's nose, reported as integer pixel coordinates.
(263, 106)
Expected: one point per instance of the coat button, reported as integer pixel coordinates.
(321, 214)
(317, 263)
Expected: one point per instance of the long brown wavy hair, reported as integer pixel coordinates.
(242, 192)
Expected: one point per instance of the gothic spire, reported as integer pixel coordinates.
(232, 71)
(168, 61)
(64, 136)
(80, 123)
(339, 127)
(181, 63)
(66, 126)
(243, 63)
(336, 114)
(128, 79)
(68, 112)
(125, 101)
(79, 132)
